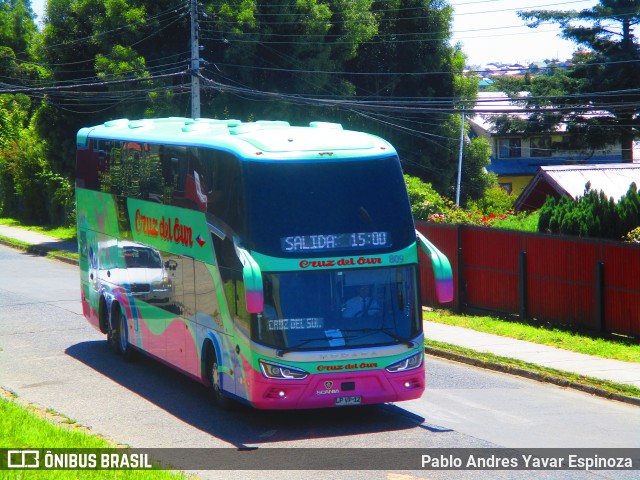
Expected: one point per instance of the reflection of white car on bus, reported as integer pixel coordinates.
(136, 267)
(147, 278)
(146, 275)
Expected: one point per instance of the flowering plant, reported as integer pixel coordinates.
(633, 236)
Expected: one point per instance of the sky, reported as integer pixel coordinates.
(38, 8)
(491, 31)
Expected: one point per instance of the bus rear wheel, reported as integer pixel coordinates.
(119, 335)
(213, 375)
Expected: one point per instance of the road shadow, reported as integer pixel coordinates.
(242, 427)
(45, 247)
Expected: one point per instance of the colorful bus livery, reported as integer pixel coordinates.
(275, 264)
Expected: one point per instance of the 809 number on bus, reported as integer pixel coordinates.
(396, 258)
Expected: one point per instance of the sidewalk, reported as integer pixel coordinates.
(590, 366)
(551, 357)
(37, 239)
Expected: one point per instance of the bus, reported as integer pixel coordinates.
(275, 264)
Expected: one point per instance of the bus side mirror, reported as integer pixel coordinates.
(441, 269)
(252, 277)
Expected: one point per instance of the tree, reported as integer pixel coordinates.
(604, 70)
(284, 48)
(475, 180)
(17, 27)
(410, 60)
(108, 49)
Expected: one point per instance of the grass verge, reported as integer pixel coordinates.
(26, 426)
(60, 233)
(594, 386)
(624, 349)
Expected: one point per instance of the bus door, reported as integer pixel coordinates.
(235, 320)
(207, 319)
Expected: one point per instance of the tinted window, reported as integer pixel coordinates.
(333, 198)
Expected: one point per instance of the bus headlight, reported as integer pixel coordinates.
(409, 363)
(282, 372)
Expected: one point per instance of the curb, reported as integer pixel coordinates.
(539, 377)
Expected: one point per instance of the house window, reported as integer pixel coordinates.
(540, 146)
(509, 148)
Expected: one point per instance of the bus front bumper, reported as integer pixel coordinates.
(332, 390)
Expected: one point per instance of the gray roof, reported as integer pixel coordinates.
(613, 179)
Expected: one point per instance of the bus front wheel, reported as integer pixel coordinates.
(213, 375)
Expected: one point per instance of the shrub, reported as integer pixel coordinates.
(633, 236)
(425, 201)
(30, 190)
(428, 205)
(592, 215)
(495, 200)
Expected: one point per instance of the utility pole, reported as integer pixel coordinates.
(195, 61)
(460, 160)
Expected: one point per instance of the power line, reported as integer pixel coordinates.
(12, 89)
(431, 105)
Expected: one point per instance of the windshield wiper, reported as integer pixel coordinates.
(366, 331)
(282, 351)
(371, 331)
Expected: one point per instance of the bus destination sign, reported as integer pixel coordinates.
(339, 241)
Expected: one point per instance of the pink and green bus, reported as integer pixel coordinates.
(276, 264)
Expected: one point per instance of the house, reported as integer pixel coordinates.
(515, 158)
(555, 181)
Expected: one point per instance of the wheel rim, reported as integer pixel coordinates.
(123, 333)
(215, 377)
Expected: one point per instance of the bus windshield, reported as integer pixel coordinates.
(299, 209)
(339, 308)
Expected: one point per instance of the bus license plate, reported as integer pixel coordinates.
(345, 401)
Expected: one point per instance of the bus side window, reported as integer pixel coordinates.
(241, 317)
(174, 167)
(222, 175)
(161, 189)
(195, 189)
(231, 275)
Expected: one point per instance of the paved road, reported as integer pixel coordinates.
(53, 358)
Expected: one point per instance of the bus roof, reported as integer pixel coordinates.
(258, 141)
